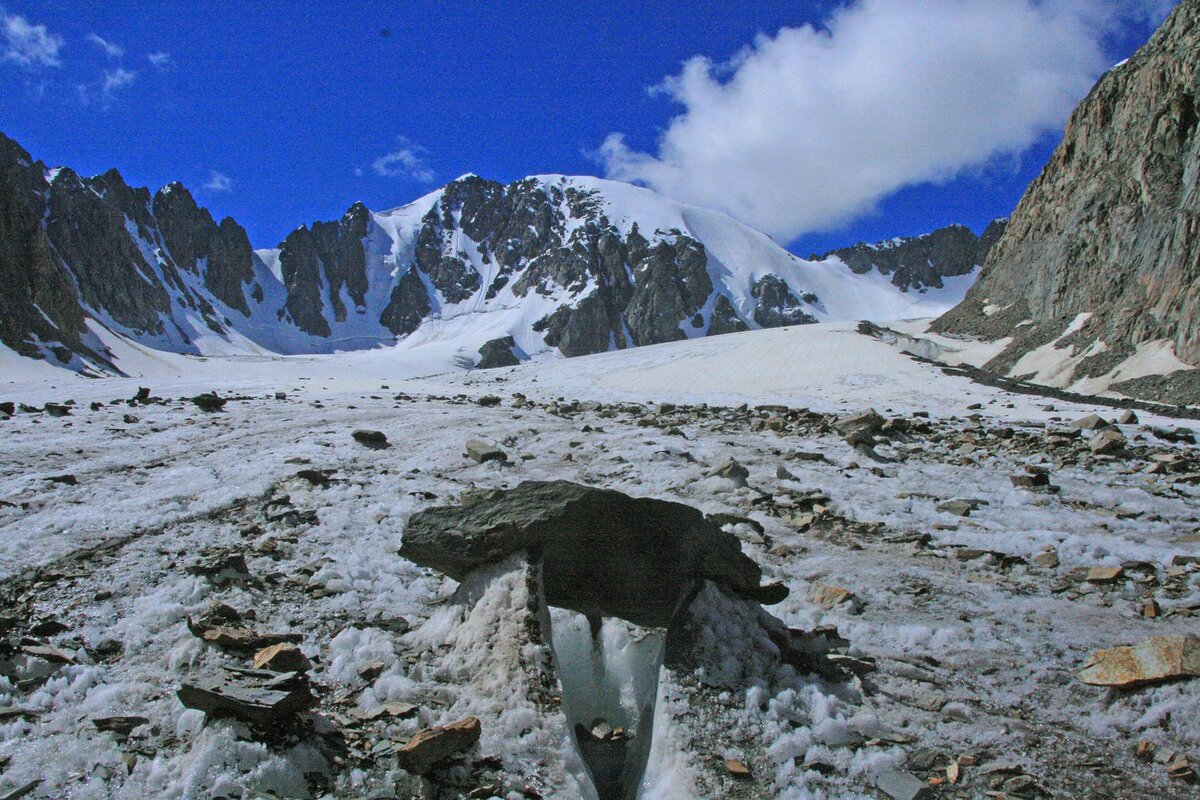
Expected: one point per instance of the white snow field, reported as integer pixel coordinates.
(976, 645)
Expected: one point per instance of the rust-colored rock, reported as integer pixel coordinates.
(1155, 660)
(432, 745)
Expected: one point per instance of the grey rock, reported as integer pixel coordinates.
(482, 452)
(376, 440)
(498, 353)
(259, 697)
(902, 786)
(920, 262)
(1106, 229)
(602, 552)
(1108, 441)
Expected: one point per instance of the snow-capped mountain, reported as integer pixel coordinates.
(546, 265)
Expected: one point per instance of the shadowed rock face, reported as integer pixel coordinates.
(922, 261)
(603, 553)
(326, 256)
(1112, 225)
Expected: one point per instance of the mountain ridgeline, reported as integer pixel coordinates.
(500, 273)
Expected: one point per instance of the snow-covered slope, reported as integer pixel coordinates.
(485, 273)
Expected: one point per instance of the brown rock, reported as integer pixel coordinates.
(737, 769)
(830, 597)
(282, 657)
(1104, 574)
(1157, 659)
(432, 745)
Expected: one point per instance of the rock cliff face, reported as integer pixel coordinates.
(921, 262)
(74, 249)
(1103, 253)
(494, 273)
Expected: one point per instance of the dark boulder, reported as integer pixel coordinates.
(602, 552)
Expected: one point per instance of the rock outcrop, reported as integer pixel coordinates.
(920, 262)
(1103, 252)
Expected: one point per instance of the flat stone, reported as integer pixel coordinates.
(1092, 422)
(482, 452)
(603, 553)
(830, 597)
(737, 769)
(282, 657)
(1157, 659)
(255, 696)
(902, 786)
(431, 745)
(1105, 574)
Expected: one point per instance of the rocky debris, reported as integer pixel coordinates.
(1108, 442)
(900, 785)
(428, 747)
(860, 428)
(731, 470)
(259, 697)
(482, 452)
(375, 440)
(316, 477)
(209, 402)
(121, 726)
(66, 480)
(221, 567)
(1154, 660)
(602, 552)
(282, 657)
(130, 419)
(960, 507)
(488, 401)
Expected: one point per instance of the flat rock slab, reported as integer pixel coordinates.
(255, 696)
(603, 553)
(431, 745)
(1157, 659)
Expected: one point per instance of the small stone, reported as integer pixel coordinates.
(1092, 422)
(372, 439)
(482, 452)
(1154, 660)
(1128, 417)
(58, 410)
(488, 401)
(282, 657)
(1047, 559)
(122, 726)
(1105, 574)
(830, 597)
(1107, 442)
(432, 745)
(902, 786)
(731, 469)
(1150, 608)
(66, 480)
(737, 769)
(371, 670)
(48, 653)
(209, 402)
(959, 508)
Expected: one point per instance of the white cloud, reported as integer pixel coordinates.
(810, 128)
(115, 79)
(218, 182)
(160, 60)
(407, 161)
(28, 45)
(112, 49)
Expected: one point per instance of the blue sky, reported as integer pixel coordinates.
(278, 118)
